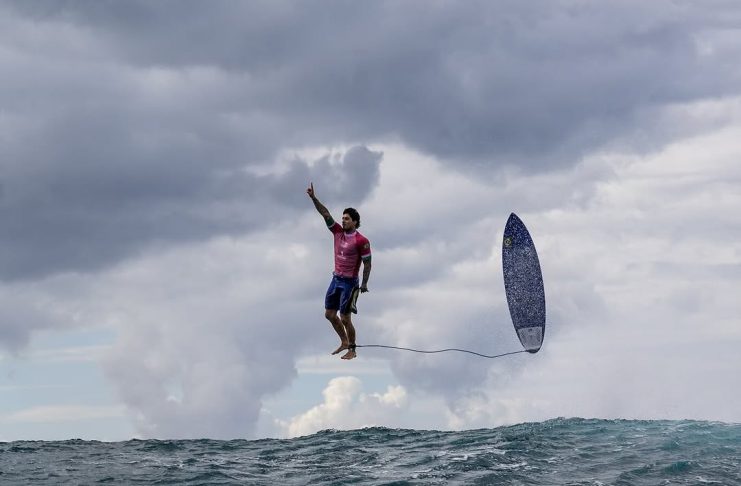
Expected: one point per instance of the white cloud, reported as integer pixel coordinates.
(63, 413)
(91, 353)
(214, 328)
(623, 284)
(32, 387)
(346, 406)
(641, 286)
(326, 364)
(640, 260)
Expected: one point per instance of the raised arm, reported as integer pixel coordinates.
(319, 206)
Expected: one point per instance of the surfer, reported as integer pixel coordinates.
(350, 248)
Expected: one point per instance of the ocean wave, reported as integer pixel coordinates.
(558, 451)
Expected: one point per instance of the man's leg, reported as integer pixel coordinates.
(339, 328)
(346, 321)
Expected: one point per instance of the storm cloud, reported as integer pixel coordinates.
(130, 123)
(154, 158)
(501, 82)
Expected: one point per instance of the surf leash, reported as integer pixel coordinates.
(439, 350)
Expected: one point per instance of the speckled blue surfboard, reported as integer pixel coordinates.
(523, 284)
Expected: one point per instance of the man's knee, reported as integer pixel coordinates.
(330, 314)
(346, 318)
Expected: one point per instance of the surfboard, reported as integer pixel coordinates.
(523, 284)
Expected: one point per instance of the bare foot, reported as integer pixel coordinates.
(342, 347)
(349, 355)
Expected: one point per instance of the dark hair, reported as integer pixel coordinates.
(353, 215)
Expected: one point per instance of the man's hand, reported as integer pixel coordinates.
(310, 190)
(363, 289)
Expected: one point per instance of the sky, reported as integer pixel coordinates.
(162, 270)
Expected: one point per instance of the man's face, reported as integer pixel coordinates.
(347, 223)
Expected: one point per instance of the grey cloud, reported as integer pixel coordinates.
(533, 84)
(144, 127)
(91, 212)
(99, 160)
(23, 311)
(16, 326)
(345, 178)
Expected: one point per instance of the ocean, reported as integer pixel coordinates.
(559, 451)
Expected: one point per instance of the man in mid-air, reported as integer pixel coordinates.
(350, 248)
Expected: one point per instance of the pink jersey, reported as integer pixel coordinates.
(349, 250)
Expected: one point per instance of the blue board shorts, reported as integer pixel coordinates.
(342, 294)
